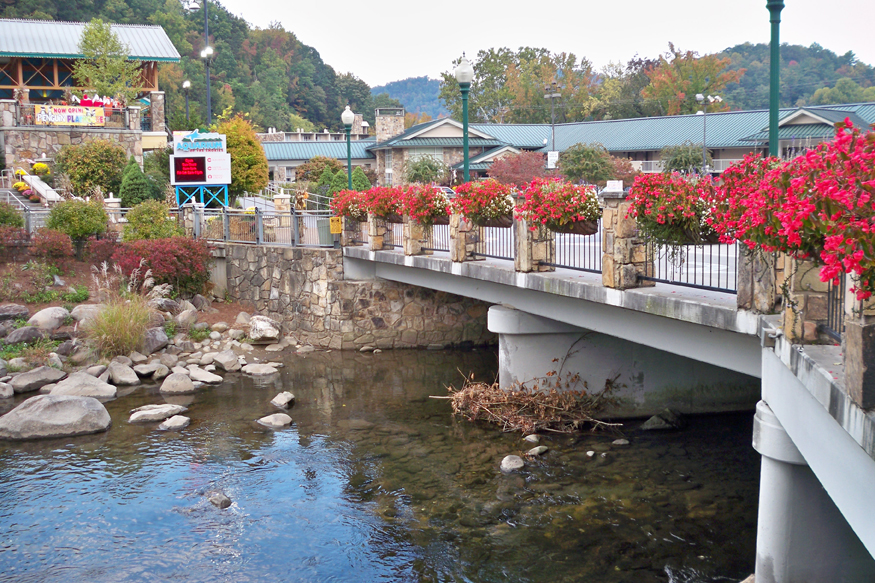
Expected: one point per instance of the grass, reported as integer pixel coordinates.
(36, 352)
(119, 327)
(170, 328)
(199, 335)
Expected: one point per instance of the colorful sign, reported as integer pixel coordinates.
(68, 115)
(200, 170)
(197, 143)
(335, 225)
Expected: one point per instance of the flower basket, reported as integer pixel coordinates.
(485, 201)
(384, 201)
(503, 221)
(575, 227)
(350, 204)
(672, 209)
(561, 206)
(426, 204)
(441, 220)
(392, 218)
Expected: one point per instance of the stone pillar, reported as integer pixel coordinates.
(805, 301)
(112, 206)
(464, 236)
(7, 113)
(377, 233)
(858, 347)
(624, 254)
(417, 239)
(352, 233)
(757, 280)
(801, 535)
(134, 118)
(192, 212)
(282, 205)
(533, 248)
(156, 106)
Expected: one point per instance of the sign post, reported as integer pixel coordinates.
(200, 167)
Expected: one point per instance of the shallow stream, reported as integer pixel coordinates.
(374, 481)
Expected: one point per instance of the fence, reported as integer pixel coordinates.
(496, 242)
(290, 229)
(710, 267)
(835, 311)
(578, 252)
(440, 239)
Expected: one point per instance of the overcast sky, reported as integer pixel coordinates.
(388, 41)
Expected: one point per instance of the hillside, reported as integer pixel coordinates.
(418, 94)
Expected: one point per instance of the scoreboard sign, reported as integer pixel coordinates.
(200, 170)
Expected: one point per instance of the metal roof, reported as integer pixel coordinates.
(795, 132)
(281, 151)
(526, 136)
(47, 38)
(438, 142)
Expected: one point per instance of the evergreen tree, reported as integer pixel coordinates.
(135, 186)
(360, 181)
(338, 182)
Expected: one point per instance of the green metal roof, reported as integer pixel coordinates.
(526, 136)
(50, 39)
(796, 132)
(289, 151)
(439, 142)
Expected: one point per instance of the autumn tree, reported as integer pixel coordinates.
(248, 163)
(106, 66)
(623, 170)
(680, 75)
(312, 169)
(411, 119)
(590, 163)
(520, 168)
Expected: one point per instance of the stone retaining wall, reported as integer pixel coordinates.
(305, 290)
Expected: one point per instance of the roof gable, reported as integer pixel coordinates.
(445, 128)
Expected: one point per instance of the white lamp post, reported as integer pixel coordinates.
(710, 99)
(347, 117)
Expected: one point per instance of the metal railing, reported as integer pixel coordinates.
(394, 235)
(835, 311)
(579, 252)
(440, 239)
(710, 267)
(496, 242)
(289, 229)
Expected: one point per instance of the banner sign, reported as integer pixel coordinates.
(68, 115)
(200, 170)
(197, 143)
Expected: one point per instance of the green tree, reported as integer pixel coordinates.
(156, 167)
(312, 169)
(248, 162)
(360, 180)
(425, 170)
(79, 220)
(297, 122)
(135, 186)
(327, 176)
(106, 66)
(683, 158)
(338, 182)
(150, 220)
(590, 163)
(845, 91)
(94, 163)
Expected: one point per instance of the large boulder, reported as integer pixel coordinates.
(122, 374)
(165, 305)
(82, 384)
(175, 423)
(46, 416)
(85, 312)
(13, 312)
(198, 374)
(49, 319)
(148, 413)
(283, 400)
(201, 303)
(35, 379)
(276, 420)
(263, 329)
(227, 360)
(186, 318)
(154, 340)
(26, 334)
(177, 383)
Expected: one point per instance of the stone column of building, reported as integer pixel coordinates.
(156, 101)
(534, 249)
(133, 113)
(352, 233)
(858, 347)
(758, 280)
(464, 236)
(417, 238)
(801, 535)
(379, 237)
(624, 253)
(192, 214)
(805, 302)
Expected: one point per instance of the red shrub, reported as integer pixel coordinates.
(13, 242)
(183, 263)
(99, 251)
(52, 246)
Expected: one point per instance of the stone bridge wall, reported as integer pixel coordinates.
(305, 289)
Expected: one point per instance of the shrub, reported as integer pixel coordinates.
(360, 180)
(590, 163)
(425, 169)
(78, 219)
(119, 327)
(312, 169)
(13, 242)
(99, 251)
(53, 247)
(135, 186)
(199, 334)
(150, 220)
(95, 163)
(181, 262)
(9, 216)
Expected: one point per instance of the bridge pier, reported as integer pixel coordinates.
(648, 380)
(801, 535)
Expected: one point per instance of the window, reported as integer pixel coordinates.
(431, 152)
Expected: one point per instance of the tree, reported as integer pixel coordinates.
(681, 75)
(519, 168)
(411, 119)
(425, 170)
(845, 91)
(360, 180)
(95, 163)
(106, 67)
(135, 186)
(623, 170)
(248, 162)
(590, 163)
(684, 158)
(297, 122)
(312, 169)
(338, 182)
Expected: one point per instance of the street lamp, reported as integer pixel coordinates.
(710, 99)
(207, 56)
(774, 7)
(464, 75)
(347, 117)
(186, 85)
(552, 93)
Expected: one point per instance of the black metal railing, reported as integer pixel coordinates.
(440, 239)
(578, 252)
(835, 311)
(289, 229)
(496, 242)
(709, 267)
(394, 235)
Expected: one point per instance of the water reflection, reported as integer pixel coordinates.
(373, 482)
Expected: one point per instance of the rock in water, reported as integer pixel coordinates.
(174, 423)
(226, 360)
(532, 438)
(6, 391)
(49, 319)
(511, 463)
(276, 420)
(46, 416)
(259, 369)
(283, 400)
(122, 374)
(38, 377)
(177, 383)
(536, 451)
(82, 384)
(147, 370)
(148, 413)
(620, 442)
(667, 419)
(263, 329)
(201, 375)
(219, 500)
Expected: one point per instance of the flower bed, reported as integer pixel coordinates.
(484, 201)
(561, 206)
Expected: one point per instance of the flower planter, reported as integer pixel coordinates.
(392, 218)
(441, 220)
(709, 238)
(575, 227)
(501, 222)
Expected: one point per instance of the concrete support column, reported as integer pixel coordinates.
(801, 535)
(352, 233)
(858, 347)
(463, 239)
(379, 237)
(533, 248)
(417, 238)
(806, 304)
(624, 254)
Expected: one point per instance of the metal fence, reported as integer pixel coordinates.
(290, 229)
(394, 235)
(710, 267)
(496, 242)
(579, 252)
(835, 311)
(440, 239)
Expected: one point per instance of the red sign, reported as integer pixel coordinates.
(189, 169)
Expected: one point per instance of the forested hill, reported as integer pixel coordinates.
(267, 73)
(809, 76)
(418, 94)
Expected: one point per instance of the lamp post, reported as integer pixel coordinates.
(710, 99)
(552, 93)
(464, 75)
(186, 86)
(207, 56)
(774, 7)
(347, 117)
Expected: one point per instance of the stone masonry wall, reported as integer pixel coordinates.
(22, 143)
(305, 290)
